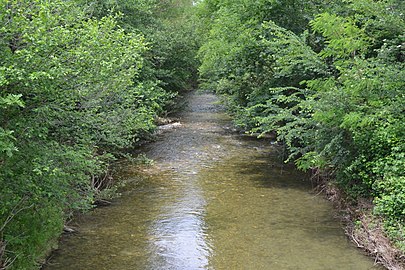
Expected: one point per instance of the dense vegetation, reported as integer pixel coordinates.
(80, 81)
(328, 78)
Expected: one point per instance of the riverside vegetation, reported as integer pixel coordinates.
(328, 78)
(81, 81)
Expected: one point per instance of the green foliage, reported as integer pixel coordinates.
(331, 88)
(168, 30)
(343, 37)
(391, 205)
(80, 81)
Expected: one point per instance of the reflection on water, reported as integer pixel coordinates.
(212, 200)
(179, 232)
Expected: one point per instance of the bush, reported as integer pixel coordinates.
(329, 83)
(74, 93)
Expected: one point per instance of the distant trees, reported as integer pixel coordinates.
(80, 81)
(328, 78)
(168, 29)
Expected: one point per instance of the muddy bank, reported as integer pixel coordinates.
(364, 229)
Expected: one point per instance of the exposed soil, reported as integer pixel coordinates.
(365, 230)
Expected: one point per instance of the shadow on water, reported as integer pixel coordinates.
(212, 200)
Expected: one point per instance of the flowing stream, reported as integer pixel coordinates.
(211, 200)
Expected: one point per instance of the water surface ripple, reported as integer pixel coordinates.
(212, 200)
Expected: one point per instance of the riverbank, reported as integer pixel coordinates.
(212, 199)
(363, 228)
(329, 85)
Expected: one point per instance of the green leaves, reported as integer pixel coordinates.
(331, 88)
(7, 143)
(11, 100)
(7, 140)
(343, 38)
(78, 85)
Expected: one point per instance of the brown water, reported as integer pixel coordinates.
(212, 200)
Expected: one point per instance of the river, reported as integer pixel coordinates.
(211, 200)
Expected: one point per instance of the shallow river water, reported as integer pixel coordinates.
(211, 200)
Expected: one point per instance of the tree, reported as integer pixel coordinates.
(327, 79)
